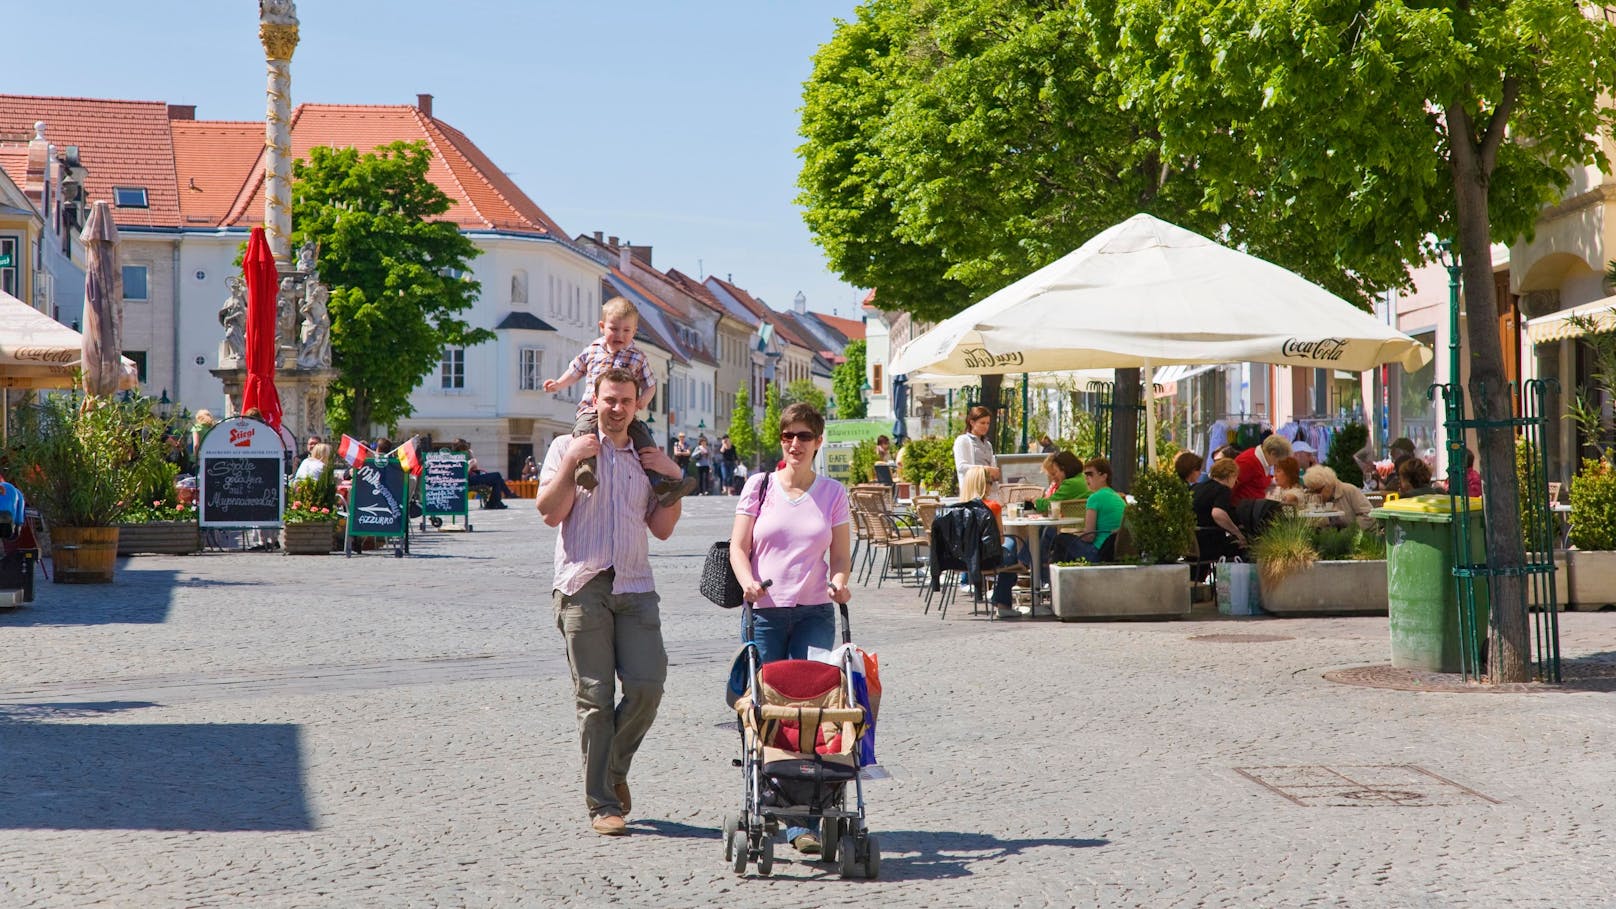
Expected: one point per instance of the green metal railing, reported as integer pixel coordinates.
(1537, 528)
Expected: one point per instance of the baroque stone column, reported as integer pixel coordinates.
(277, 30)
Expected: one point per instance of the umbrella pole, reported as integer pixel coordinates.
(1150, 417)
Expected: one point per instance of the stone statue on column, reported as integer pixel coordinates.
(233, 316)
(277, 31)
(314, 349)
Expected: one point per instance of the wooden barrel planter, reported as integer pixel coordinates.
(311, 538)
(163, 537)
(83, 555)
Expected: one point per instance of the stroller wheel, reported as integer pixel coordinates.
(436, 521)
(766, 857)
(848, 867)
(830, 834)
(872, 858)
(731, 824)
(736, 851)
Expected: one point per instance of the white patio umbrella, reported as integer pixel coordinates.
(1146, 293)
(37, 351)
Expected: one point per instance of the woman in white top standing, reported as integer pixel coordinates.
(971, 449)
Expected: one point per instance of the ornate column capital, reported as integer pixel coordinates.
(279, 40)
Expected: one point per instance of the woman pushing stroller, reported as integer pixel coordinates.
(792, 528)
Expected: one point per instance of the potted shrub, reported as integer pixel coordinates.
(929, 464)
(160, 524)
(1159, 526)
(310, 522)
(1591, 560)
(84, 463)
(1304, 569)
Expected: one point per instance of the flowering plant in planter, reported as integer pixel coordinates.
(312, 499)
(157, 510)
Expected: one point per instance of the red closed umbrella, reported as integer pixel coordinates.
(103, 299)
(263, 284)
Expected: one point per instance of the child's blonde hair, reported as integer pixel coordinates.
(619, 308)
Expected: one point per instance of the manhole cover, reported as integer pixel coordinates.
(1363, 786)
(1240, 638)
(1578, 675)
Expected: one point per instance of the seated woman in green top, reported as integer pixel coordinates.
(1101, 518)
(1064, 470)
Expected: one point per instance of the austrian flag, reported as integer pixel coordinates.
(353, 451)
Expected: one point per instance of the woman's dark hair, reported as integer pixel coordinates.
(1226, 453)
(1101, 466)
(804, 413)
(1470, 459)
(976, 413)
(1187, 463)
(1414, 473)
(1070, 464)
(882, 440)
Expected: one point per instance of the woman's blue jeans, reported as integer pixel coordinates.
(786, 633)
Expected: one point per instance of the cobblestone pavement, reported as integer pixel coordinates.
(252, 729)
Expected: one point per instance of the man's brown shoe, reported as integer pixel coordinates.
(623, 800)
(609, 825)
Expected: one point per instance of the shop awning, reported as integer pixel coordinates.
(1557, 326)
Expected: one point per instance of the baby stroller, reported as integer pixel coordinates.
(789, 773)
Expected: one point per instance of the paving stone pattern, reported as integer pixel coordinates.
(252, 729)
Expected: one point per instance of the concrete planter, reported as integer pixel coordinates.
(162, 537)
(1095, 592)
(1591, 585)
(1330, 588)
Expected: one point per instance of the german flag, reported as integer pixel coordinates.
(408, 457)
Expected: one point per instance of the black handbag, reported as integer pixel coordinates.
(718, 581)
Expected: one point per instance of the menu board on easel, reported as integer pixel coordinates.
(241, 475)
(377, 503)
(445, 486)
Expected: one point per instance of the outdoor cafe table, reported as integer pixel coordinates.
(1033, 531)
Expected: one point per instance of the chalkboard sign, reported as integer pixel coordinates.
(376, 502)
(241, 475)
(444, 490)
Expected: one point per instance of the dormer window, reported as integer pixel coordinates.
(129, 197)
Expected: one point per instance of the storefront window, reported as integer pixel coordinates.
(1416, 416)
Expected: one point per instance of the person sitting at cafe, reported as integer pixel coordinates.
(1065, 473)
(1414, 479)
(1257, 468)
(1287, 488)
(1216, 533)
(1326, 493)
(493, 481)
(315, 464)
(1102, 515)
(1187, 464)
(1305, 454)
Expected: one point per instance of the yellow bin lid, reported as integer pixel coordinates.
(1427, 504)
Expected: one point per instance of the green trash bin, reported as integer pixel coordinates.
(1424, 600)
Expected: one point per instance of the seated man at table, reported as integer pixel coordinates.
(1257, 468)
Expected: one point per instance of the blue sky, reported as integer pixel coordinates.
(670, 124)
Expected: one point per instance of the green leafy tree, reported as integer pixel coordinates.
(770, 443)
(1384, 123)
(847, 383)
(803, 391)
(742, 433)
(395, 273)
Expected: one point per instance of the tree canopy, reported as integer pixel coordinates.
(396, 275)
(954, 146)
(742, 433)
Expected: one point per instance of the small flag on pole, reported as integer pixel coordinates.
(353, 451)
(408, 458)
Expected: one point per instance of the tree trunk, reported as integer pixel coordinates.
(1124, 427)
(1509, 651)
(992, 397)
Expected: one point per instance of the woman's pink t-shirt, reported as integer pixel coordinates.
(791, 539)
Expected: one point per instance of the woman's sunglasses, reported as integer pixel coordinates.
(804, 436)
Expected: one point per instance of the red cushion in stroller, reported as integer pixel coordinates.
(803, 680)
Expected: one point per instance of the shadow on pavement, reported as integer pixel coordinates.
(135, 597)
(908, 855)
(672, 829)
(146, 776)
